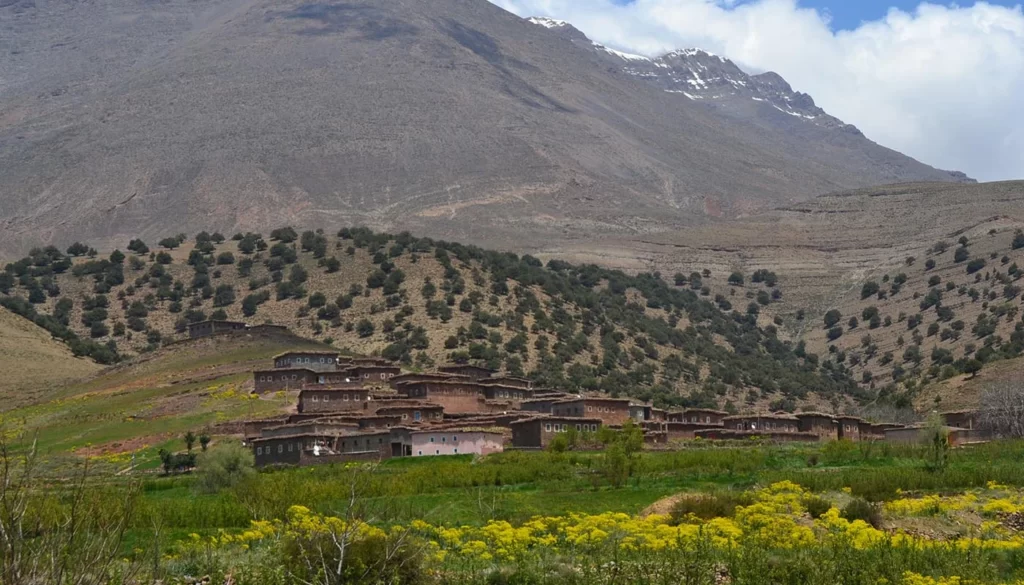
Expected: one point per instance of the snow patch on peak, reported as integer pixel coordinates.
(692, 52)
(620, 54)
(547, 22)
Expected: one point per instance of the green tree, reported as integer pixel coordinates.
(190, 441)
(224, 467)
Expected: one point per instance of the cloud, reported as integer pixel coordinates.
(942, 84)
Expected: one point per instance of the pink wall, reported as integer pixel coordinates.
(455, 443)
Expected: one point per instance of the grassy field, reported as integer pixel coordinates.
(149, 403)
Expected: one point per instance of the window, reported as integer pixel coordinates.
(383, 376)
(455, 438)
(416, 415)
(405, 416)
(578, 428)
(280, 448)
(456, 451)
(444, 439)
(316, 398)
(289, 447)
(259, 450)
(419, 452)
(547, 427)
(431, 439)
(437, 452)
(295, 377)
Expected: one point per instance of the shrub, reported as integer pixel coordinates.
(861, 509)
(832, 318)
(224, 467)
(870, 287)
(816, 505)
(365, 328)
(709, 506)
(975, 265)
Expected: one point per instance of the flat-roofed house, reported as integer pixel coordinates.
(611, 411)
(313, 399)
(538, 432)
(849, 427)
(455, 441)
(318, 361)
(283, 379)
(213, 327)
(824, 425)
(470, 371)
(708, 416)
(762, 423)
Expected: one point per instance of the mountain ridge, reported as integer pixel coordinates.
(454, 119)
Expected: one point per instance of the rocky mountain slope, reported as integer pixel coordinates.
(453, 118)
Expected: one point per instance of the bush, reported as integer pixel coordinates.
(832, 318)
(861, 509)
(975, 265)
(816, 506)
(870, 287)
(709, 506)
(365, 328)
(224, 467)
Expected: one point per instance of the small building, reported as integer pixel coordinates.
(825, 426)
(512, 381)
(306, 448)
(312, 399)
(919, 434)
(213, 327)
(318, 361)
(682, 431)
(849, 427)
(283, 379)
(780, 436)
(373, 373)
(472, 372)
(455, 442)
(397, 379)
(538, 432)
(505, 392)
(611, 411)
(462, 396)
(963, 419)
(410, 412)
(708, 416)
(762, 423)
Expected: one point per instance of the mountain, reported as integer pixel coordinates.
(33, 362)
(452, 118)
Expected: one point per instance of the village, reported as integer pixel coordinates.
(368, 408)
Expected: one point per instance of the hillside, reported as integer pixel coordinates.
(451, 118)
(426, 303)
(826, 250)
(148, 402)
(33, 362)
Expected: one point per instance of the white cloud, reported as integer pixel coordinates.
(942, 84)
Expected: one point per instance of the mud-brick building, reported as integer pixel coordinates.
(306, 448)
(313, 399)
(681, 431)
(282, 379)
(611, 411)
(472, 372)
(213, 327)
(708, 416)
(961, 419)
(538, 432)
(373, 373)
(455, 441)
(318, 361)
(512, 381)
(397, 379)
(455, 396)
(409, 411)
(763, 423)
(823, 425)
(849, 427)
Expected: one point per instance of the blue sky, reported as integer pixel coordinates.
(849, 14)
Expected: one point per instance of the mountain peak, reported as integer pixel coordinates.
(548, 22)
